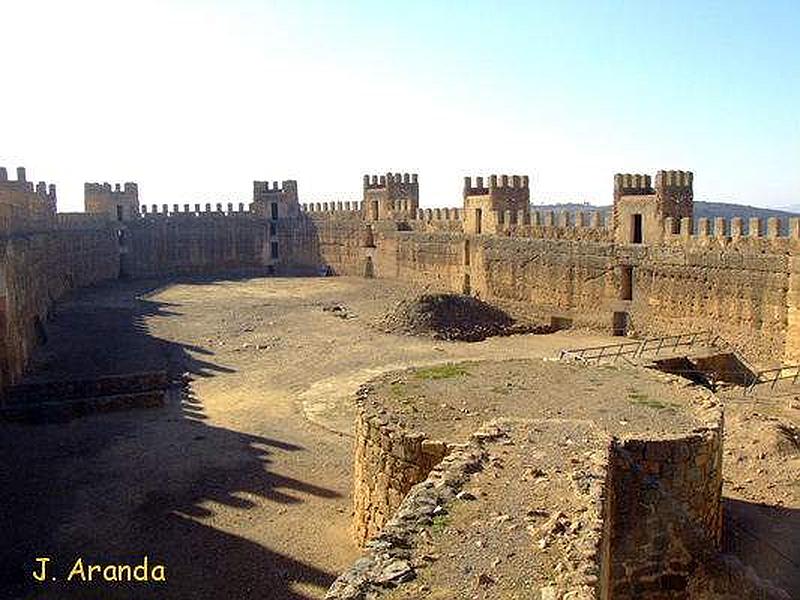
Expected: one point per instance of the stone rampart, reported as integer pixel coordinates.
(190, 243)
(37, 270)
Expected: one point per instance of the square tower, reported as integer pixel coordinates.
(118, 204)
(278, 201)
(391, 196)
(21, 196)
(483, 203)
(640, 208)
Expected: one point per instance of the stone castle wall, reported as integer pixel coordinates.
(740, 279)
(192, 243)
(36, 270)
(745, 288)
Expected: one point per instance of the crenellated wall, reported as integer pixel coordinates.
(194, 243)
(742, 283)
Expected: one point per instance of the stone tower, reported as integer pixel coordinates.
(391, 196)
(21, 194)
(118, 204)
(483, 203)
(640, 208)
(278, 201)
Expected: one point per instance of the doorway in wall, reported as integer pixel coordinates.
(636, 229)
(620, 323)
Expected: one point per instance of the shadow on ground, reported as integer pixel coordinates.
(766, 538)
(112, 488)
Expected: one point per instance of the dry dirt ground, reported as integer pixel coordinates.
(241, 484)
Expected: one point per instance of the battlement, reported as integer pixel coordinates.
(376, 182)
(129, 189)
(730, 230)
(495, 182)
(196, 210)
(632, 185)
(674, 179)
(264, 187)
(332, 206)
(21, 184)
(34, 200)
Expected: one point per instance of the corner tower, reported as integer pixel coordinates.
(21, 194)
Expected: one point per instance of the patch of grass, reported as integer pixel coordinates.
(447, 371)
(641, 399)
(397, 389)
(440, 523)
(503, 390)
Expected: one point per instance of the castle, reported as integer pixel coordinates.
(651, 269)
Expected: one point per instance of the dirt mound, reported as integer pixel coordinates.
(453, 317)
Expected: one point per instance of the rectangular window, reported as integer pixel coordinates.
(273, 230)
(274, 209)
(119, 212)
(273, 250)
(626, 285)
(478, 219)
(636, 229)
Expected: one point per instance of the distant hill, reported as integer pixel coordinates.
(709, 210)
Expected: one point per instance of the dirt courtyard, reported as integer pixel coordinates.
(241, 484)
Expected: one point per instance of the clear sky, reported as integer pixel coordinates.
(196, 99)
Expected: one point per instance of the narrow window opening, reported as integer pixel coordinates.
(626, 291)
(478, 220)
(636, 229)
(273, 250)
(274, 209)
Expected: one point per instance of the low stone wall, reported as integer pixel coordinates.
(388, 463)
(665, 510)
(386, 559)
(63, 400)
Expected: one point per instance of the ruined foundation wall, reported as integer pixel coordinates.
(665, 511)
(37, 270)
(194, 244)
(389, 461)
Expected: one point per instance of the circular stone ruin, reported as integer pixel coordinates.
(599, 480)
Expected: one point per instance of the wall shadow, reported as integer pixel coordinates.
(766, 538)
(111, 488)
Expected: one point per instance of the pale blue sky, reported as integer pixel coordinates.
(195, 99)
